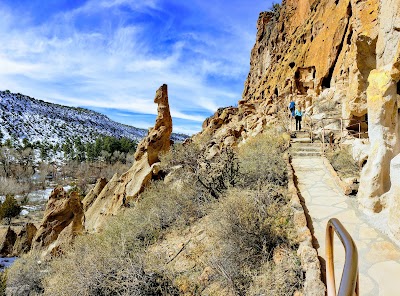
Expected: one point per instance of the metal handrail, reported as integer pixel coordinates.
(349, 283)
(341, 130)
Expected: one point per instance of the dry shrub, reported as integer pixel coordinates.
(185, 156)
(251, 224)
(3, 282)
(111, 263)
(211, 176)
(261, 160)
(162, 206)
(281, 277)
(343, 162)
(220, 173)
(12, 186)
(98, 265)
(26, 274)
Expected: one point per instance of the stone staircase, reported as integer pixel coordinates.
(299, 149)
(302, 146)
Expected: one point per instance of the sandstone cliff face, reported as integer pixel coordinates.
(128, 186)
(341, 52)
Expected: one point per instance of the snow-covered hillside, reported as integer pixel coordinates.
(25, 117)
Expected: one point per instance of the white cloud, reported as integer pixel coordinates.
(118, 62)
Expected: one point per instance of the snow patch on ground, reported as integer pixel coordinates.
(6, 262)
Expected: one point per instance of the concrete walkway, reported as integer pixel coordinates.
(379, 257)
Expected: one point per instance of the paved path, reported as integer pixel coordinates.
(379, 257)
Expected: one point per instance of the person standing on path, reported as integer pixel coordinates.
(297, 115)
(292, 106)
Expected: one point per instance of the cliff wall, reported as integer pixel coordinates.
(342, 54)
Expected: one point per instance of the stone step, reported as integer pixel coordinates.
(305, 153)
(306, 150)
(301, 140)
(306, 145)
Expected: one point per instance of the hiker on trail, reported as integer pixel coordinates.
(297, 115)
(292, 106)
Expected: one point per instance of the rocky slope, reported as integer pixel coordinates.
(334, 58)
(25, 117)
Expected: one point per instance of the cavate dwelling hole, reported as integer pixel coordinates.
(292, 64)
(336, 2)
(276, 92)
(398, 88)
(364, 162)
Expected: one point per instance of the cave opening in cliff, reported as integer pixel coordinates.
(358, 126)
(326, 82)
(398, 88)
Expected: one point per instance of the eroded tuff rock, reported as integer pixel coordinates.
(24, 239)
(383, 110)
(94, 193)
(63, 219)
(7, 241)
(393, 197)
(128, 186)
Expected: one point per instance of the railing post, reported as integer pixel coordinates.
(349, 283)
(341, 132)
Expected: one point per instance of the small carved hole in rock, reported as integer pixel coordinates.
(292, 64)
(336, 2)
(398, 88)
(364, 163)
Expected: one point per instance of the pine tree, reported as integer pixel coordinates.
(9, 208)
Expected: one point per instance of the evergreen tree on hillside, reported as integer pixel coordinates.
(9, 208)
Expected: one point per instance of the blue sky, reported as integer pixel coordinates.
(112, 55)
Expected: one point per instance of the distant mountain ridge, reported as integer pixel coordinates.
(24, 117)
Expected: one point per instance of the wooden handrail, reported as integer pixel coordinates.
(349, 283)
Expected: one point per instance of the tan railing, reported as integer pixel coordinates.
(345, 132)
(349, 283)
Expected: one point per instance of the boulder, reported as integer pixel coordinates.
(63, 219)
(7, 241)
(24, 239)
(120, 190)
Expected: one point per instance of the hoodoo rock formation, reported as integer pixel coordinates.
(128, 186)
(62, 221)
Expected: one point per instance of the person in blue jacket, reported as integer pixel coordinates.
(297, 115)
(292, 106)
